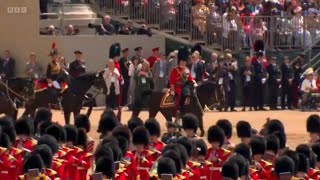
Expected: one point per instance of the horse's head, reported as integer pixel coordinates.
(99, 80)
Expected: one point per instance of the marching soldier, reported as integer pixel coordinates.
(83, 156)
(154, 130)
(124, 67)
(284, 169)
(272, 148)
(313, 128)
(274, 81)
(316, 149)
(31, 163)
(171, 133)
(190, 125)
(46, 155)
(77, 67)
(226, 126)
(24, 132)
(230, 171)
(82, 122)
(244, 131)
(107, 123)
(8, 164)
(166, 168)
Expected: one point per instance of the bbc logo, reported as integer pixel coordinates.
(17, 10)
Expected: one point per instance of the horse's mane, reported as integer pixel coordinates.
(86, 76)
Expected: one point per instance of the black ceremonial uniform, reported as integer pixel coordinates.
(76, 68)
(286, 83)
(124, 67)
(274, 83)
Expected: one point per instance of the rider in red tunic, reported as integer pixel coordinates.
(179, 77)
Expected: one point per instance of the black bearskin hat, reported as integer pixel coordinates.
(190, 121)
(153, 127)
(140, 136)
(123, 131)
(295, 157)
(197, 47)
(101, 151)
(284, 164)
(282, 138)
(123, 144)
(306, 150)
(113, 143)
(313, 124)
(106, 166)
(134, 122)
(316, 150)
(82, 121)
(41, 115)
(45, 153)
(72, 133)
(272, 143)
(201, 147)
(226, 126)
(216, 134)
(24, 126)
(166, 166)
(43, 126)
(7, 127)
(230, 170)
(183, 154)
(115, 50)
(258, 145)
(49, 141)
(304, 164)
(244, 129)
(244, 150)
(55, 130)
(274, 125)
(175, 156)
(82, 138)
(5, 141)
(186, 142)
(241, 162)
(33, 161)
(183, 54)
(107, 123)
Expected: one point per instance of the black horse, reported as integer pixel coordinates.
(7, 107)
(211, 94)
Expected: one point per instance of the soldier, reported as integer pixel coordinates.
(84, 158)
(230, 171)
(303, 167)
(82, 122)
(216, 154)
(24, 131)
(114, 54)
(226, 126)
(244, 131)
(46, 155)
(243, 165)
(306, 150)
(259, 81)
(190, 125)
(153, 127)
(297, 73)
(124, 67)
(284, 168)
(313, 128)
(171, 133)
(54, 69)
(199, 155)
(141, 139)
(32, 162)
(272, 148)
(247, 74)
(155, 56)
(77, 67)
(316, 149)
(180, 80)
(106, 124)
(166, 167)
(274, 81)
(286, 83)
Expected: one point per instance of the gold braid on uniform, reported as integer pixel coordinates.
(55, 68)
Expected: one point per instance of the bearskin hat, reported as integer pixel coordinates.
(82, 121)
(101, 151)
(272, 143)
(230, 170)
(216, 134)
(82, 138)
(186, 142)
(226, 126)
(45, 153)
(295, 157)
(123, 131)
(41, 115)
(313, 124)
(106, 166)
(244, 150)
(197, 47)
(175, 156)
(306, 150)
(63, 134)
(113, 143)
(55, 130)
(166, 166)
(241, 162)
(140, 136)
(72, 133)
(201, 147)
(183, 153)
(5, 141)
(282, 138)
(258, 145)
(153, 127)
(274, 125)
(24, 126)
(134, 122)
(43, 126)
(190, 121)
(303, 163)
(7, 127)
(107, 123)
(49, 141)
(123, 144)
(115, 50)
(244, 129)
(284, 164)
(32, 161)
(183, 54)
(316, 149)
(171, 125)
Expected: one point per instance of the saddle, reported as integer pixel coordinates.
(169, 100)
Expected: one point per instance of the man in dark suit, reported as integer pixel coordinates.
(197, 68)
(77, 67)
(286, 83)
(297, 72)
(212, 67)
(259, 82)
(124, 67)
(7, 65)
(247, 74)
(273, 82)
(231, 67)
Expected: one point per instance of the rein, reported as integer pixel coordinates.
(13, 92)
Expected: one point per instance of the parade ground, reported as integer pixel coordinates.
(294, 121)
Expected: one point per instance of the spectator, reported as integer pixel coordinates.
(143, 79)
(309, 83)
(313, 24)
(133, 69)
(318, 80)
(144, 30)
(258, 29)
(229, 27)
(33, 69)
(286, 84)
(51, 30)
(77, 67)
(247, 74)
(212, 67)
(173, 62)
(199, 16)
(7, 65)
(160, 73)
(214, 24)
(106, 27)
(298, 28)
(72, 31)
(127, 29)
(111, 78)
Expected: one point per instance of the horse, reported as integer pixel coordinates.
(211, 95)
(7, 107)
(22, 89)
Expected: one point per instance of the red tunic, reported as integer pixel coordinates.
(266, 166)
(156, 148)
(152, 60)
(27, 145)
(131, 166)
(195, 167)
(18, 155)
(216, 157)
(52, 174)
(313, 174)
(8, 165)
(58, 166)
(83, 164)
(144, 163)
(71, 162)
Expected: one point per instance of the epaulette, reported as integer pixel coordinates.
(295, 178)
(57, 163)
(126, 162)
(267, 163)
(21, 177)
(88, 155)
(130, 152)
(195, 164)
(181, 177)
(61, 153)
(33, 142)
(51, 172)
(41, 177)
(207, 163)
(149, 153)
(76, 149)
(16, 151)
(252, 171)
(11, 158)
(225, 152)
(144, 160)
(313, 171)
(3, 150)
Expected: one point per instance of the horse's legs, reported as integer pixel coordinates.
(152, 113)
(67, 117)
(135, 113)
(201, 127)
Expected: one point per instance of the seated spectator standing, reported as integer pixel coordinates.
(7, 65)
(77, 67)
(33, 69)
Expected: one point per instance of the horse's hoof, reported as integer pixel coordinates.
(202, 133)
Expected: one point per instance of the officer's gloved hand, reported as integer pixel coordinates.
(172, 92)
